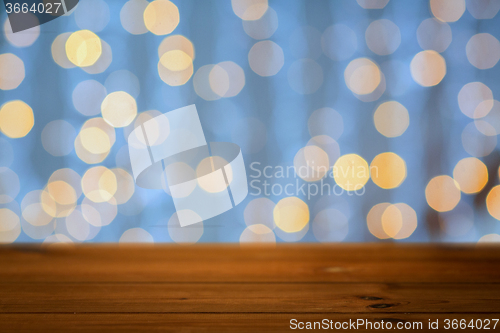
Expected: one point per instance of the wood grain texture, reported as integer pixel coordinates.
(228, 288)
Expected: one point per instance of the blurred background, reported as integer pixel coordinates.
(392, 99)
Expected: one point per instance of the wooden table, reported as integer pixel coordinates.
(228, 288)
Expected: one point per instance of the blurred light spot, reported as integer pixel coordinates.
(447, 10)
(189, 234)
(69, 176)
(266, 58)
(305, 76)
(483, 9)
(388, 170)
(305, 42)
(88, 96)
(9, 185)
(330, 225)
(291, 236)
(326, 121)
(10, 228)
(103, 62)
(57, 239)
(22, 38)
(483, 51)
(176, 42)
(442, 193)
(95, 140)
(125, 186)
(230, 71)
(374, 220)
(351, 172)
(372, 4)
(328, 145)
(399, 221)
(119, 109)
(58, 137)
(376, 94)
(176, 78)
(83, 153)
(16, 119)
(136, 235)
(158, 129)
(391, 119)
(132, 16)
(123, 80)
(99, 213)
(475, 100)
(161, 17)
(491, 120)
(6, 153)
(493, 202)
(264, 27)
(249, 10)
(471, 175)
(83, 48)
(92, 15)
(428, 68)
(176, 60)
(457, 222)
(62, 192)
(489, 238)
(58, 50)
(11, 71)
(434, 35)
(311, 163)
(339, 42)
(383, 37)
(362, 76)
(206, 167)
(291, 214)
(260, 211)
(257, 233)
(250, 134)
(99, 184)
(475, 142)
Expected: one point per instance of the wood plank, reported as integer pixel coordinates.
(229, 263)
(248, 297)
(187, 322)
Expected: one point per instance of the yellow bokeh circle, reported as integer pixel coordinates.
(471, 174)
(83, 48)
(16, 119)
(351, 172)
(119, 109)
(161, 17)
(388, 170)
(291, 214)
(442, 193)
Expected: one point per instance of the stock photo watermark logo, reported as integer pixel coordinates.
(204, 179)
(310, 180)
(26, 14)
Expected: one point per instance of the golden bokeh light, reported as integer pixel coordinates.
(176, 42)
(392, 221)
(58, 50)
(493, 202)
(291, 214)
(328, 145)
(351, 172)
(95, 140)
(383, 37)
(58, 199)
(266, 58)
(83, 48)
(391, 119)
(99, 184)
(175, 78)
(82, 152)
(176, 60)
(362, 76)
(125, 186)
(161, 17)
(483, 51)
(249, 10)
(388, 170)
(119, 109)
(442, 193)
(264, 27)
(447, 10)
(475, 100)
(16, 119)
(374, 220)
(103, 62)
(428, 68)
(210, 177)
(12, 71)
(471, 175)
(311, 163)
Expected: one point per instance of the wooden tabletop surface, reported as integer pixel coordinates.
(228, 288)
